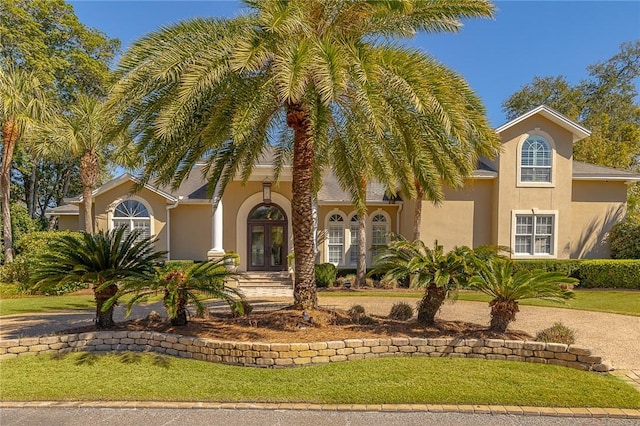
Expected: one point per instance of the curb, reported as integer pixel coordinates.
(589, 412)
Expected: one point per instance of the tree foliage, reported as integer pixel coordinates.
(606, 103)
(308, 78)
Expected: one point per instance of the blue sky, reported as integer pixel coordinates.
(497, 57)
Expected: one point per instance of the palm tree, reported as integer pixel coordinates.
(103, 260)
(84, 132)
(441, 273)
(22, 105)
(497, 280)
(184, 287)
(294, 75)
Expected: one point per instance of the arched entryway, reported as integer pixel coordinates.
(267, 238)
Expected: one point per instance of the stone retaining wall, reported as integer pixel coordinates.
(295, 354)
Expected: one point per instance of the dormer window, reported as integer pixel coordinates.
(536, 160)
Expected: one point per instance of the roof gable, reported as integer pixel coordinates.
(574, 128)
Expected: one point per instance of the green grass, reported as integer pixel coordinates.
(625, 302)
(133, 376)
(34, 304)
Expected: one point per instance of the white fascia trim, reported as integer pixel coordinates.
(186, 201)
(577, 130)
(629, 179)
(49, 214)
(350, 203)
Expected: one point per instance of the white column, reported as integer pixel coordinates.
(217, 251)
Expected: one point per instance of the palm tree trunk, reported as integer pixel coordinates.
(304, 290)
(181, 312)
(104, 318)
(361, 273)
(31, 196)
(89, 170)
(10, 135)
(430, 304)
(503, 312)
(417, 214)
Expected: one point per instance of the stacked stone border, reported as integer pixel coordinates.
(257, 354)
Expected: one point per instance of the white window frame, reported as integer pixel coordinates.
(111, 214)
(370, 238)
(536, 134)
(534, 213)
(329, 225)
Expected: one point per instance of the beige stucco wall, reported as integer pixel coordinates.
(191, 231)
(463, 218)
(556, 197)
(596, 206)
(68, 223)
(105, 203)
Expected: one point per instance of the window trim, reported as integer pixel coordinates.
(112, 209)
(328, 223)
(371, 216)
(552, 146)
(554, 235)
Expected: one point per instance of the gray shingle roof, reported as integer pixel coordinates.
(591, 171)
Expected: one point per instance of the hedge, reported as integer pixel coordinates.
(325, 274)
(569, 267)
(610, 274)
(624, 240)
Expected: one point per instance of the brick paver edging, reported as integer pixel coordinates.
(257, 354)
(586, 412)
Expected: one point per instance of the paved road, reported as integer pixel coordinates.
(195, 417)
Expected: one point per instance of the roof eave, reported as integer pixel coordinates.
(577, 130)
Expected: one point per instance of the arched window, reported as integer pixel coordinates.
(535, 160)
(354, 239)
(132, 215)
(379, 233)
(335, 238)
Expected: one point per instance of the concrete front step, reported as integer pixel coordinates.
(266, 284)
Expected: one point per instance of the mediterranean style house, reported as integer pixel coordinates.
(533, 198)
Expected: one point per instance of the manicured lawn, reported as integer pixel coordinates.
(29, 304)
(387, 380)
(625, 302)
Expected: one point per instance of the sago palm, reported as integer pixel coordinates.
(183, 287)
(440, 273)
(103, 260)
(497, 280)
(84, 132)
(23, 104)
(299, 75)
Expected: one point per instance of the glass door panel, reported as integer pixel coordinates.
(257, 245)
(277, 241)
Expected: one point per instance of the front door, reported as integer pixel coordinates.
(267, 232)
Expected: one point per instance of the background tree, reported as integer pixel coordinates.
(22, 105)
(45, 36)
(84, 132)
(606, 103)
(295, 74)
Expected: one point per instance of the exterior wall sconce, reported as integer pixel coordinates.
(266, 192)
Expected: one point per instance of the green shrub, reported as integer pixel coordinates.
(609, 273)
(401, 311)
(356, 312)
(325, 274)
(8, 291)
(569, 267)
(624, 240)
(557, 333)
(29, 248)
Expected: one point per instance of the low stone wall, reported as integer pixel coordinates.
(295, 354)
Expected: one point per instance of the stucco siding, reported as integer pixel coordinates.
(68, 223)
(596, 207)
(554, 197)
(191, 231)
(463, 218)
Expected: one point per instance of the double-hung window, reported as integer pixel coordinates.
(534, 234)
(536, 160)
(132, 214)
(335, 239)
